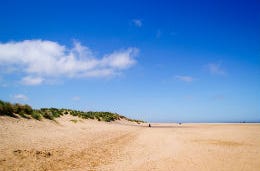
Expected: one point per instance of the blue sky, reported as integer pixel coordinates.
(161, 61)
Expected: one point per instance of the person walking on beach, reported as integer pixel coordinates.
(149, 125)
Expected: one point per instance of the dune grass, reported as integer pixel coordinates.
(26, 111)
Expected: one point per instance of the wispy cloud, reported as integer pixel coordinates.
(39, 60)
(137, 22)
(215, 69)
(29, 80)
(20, 97)
(184, 78)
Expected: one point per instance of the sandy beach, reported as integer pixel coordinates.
(71, 143)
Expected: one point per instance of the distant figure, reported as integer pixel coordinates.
(179, 123)
(149, 125)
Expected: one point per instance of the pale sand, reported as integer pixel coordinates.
(123, 146)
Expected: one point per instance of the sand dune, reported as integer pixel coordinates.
(92, 145)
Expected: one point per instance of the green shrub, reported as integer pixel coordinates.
(22, 114)
(135, 120)
(27, 109)
(16, 108)
(73, 113)
(55, 112)
(6, 108)
(36, 115)
(48, 115)
(22, 110)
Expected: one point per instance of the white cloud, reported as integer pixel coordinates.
(137, 22)
(184, 78)
(20, 97)
(42, 59)
(215, 68)
(29, 80)
(120, 59)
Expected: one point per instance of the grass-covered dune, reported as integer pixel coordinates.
(26, 111)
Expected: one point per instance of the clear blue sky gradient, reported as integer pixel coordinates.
(176, 38)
